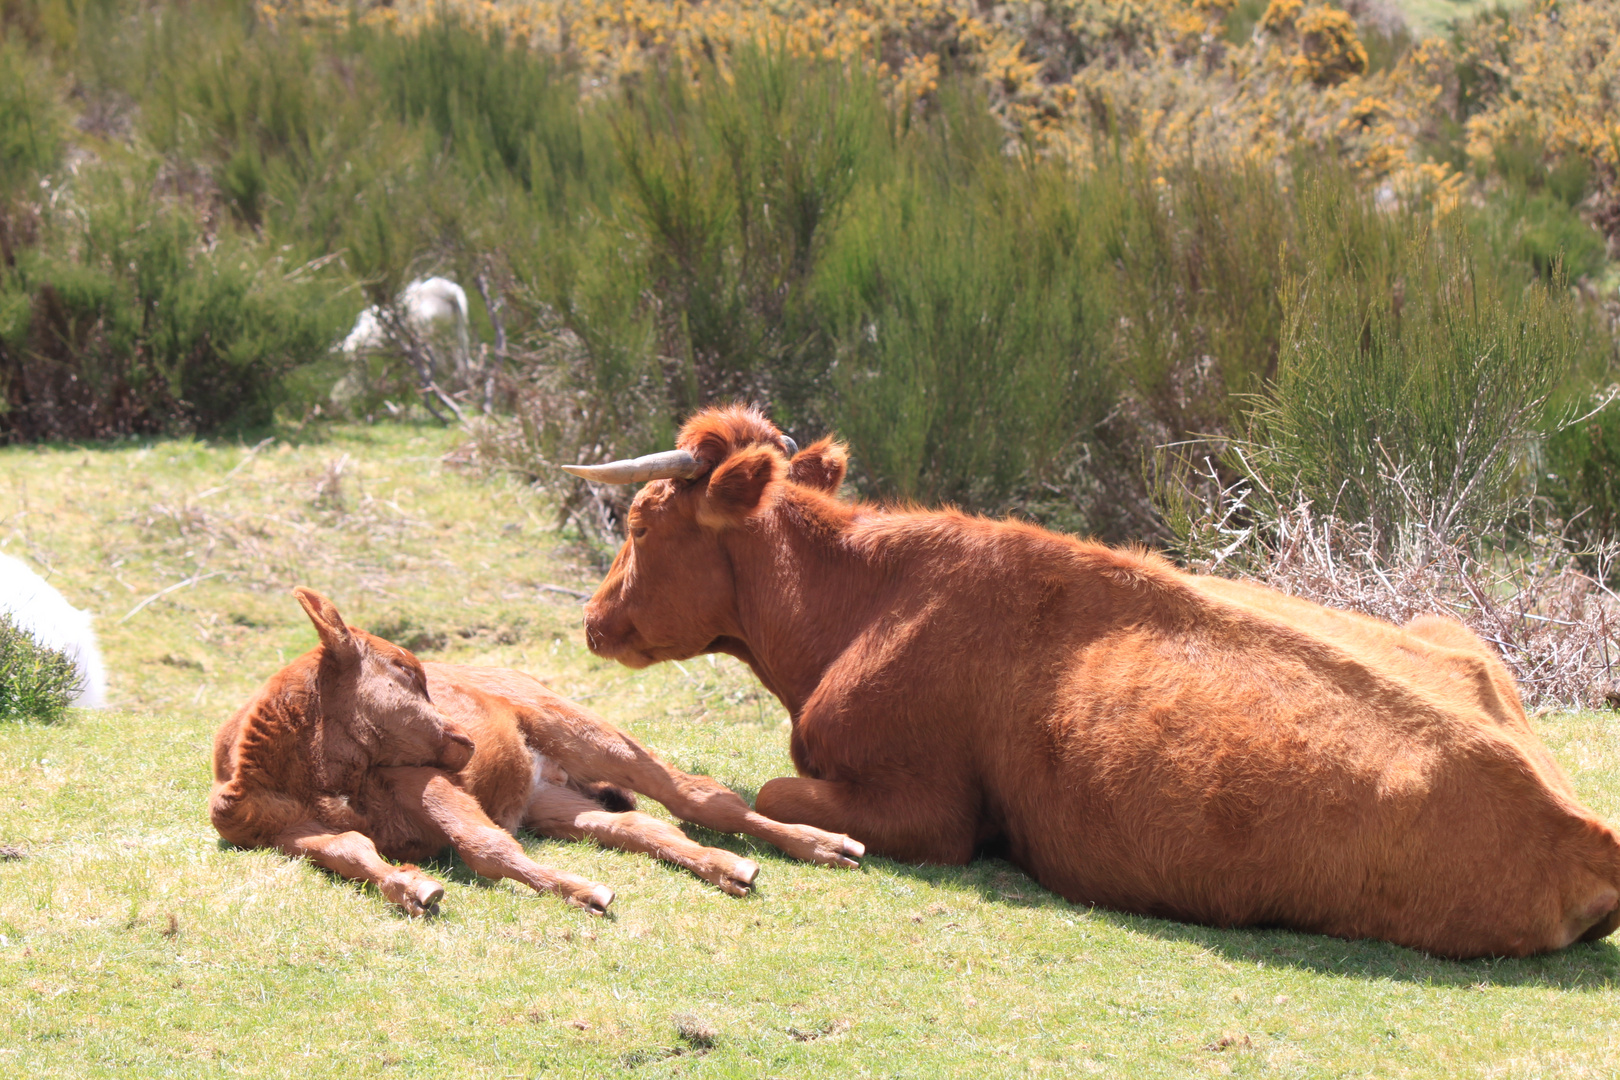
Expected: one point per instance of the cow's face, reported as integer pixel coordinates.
(670, 593)
(378, 692)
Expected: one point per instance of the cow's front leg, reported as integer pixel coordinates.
(908, 823)
(562, 812)
(489, 850)
(354, 856)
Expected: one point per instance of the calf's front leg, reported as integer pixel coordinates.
(489, 850)
(354, 856)
(562, 812)
(908, 823)
(588, 746)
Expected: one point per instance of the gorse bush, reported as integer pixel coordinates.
(36, 683)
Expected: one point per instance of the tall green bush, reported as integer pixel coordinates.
(31, 118)
(1413, 380)
(126, 320)
(961, 317)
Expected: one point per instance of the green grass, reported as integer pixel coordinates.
(133, 944)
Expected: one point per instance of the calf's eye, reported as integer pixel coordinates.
(638, 533)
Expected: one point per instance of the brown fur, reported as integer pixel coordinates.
(356, 752)
(1135, 736)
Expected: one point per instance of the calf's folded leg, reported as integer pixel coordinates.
(354, 856)
(430, 797)
(559, 811)
(588, 746)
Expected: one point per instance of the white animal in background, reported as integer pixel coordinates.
(430, 306)
(44, 615)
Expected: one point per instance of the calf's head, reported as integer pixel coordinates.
(670, 593)
(377, 693)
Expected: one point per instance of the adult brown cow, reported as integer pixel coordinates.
(357, 750)
(1137, 737)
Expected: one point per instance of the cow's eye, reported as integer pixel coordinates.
(638, 533)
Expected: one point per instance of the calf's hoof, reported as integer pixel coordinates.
(594, 900)
(738, 878)
(828, 849)
(414, 892)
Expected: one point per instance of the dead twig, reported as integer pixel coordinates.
(165, 592)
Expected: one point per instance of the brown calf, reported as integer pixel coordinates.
(357, 752)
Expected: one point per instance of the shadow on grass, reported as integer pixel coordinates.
(1588, 966)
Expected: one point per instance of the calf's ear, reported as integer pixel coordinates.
(334, 632)
(820, 465)
(738, 485)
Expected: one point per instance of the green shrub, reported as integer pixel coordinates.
(958, 299)
(1551, 238)
(1412, 381)
(31, 121)
(127, 321)
(985, 325)
(36, 683)
(1581, 475)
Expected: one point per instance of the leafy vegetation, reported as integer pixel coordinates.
(36, 683)
(1006, 255)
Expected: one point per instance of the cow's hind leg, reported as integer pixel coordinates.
(354, 856)
(489, 850)
(560, 811)
(908, 823)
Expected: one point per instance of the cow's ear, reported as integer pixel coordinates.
(820, 465)
(335, 633)
(737, 486)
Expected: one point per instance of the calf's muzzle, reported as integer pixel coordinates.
(456, 749)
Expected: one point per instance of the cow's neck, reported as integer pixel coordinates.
(802, 598)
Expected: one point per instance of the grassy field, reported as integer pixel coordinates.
(133, 944)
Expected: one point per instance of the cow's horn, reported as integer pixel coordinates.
(667, 465)
(791, 446)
